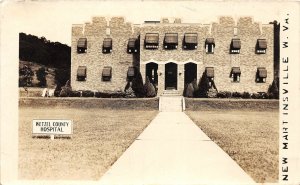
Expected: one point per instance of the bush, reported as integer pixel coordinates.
(66, 90)
(189, 92)
(255, 96)
(75, 94)
(195, 87)
(246, 95)
(129, 93)
(87, 94)
(236, 95)
(137, 85)
(149, 88)
(274, 89)
(117, 94)
(221, 94)
(62, 75)
(263, 95)
(212, 93)
(224, 94)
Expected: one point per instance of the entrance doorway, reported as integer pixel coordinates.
(190, 73)
(171, 76)
(151, 73)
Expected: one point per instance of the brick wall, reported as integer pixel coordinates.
(95, 60)
(222, 32)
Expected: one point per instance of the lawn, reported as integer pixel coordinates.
(249, 137)
(99, 138)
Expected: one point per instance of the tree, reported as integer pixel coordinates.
(137, 85)
(149, 88)
(25, 76)
(189, 91)
(62, 76)
(41, 76)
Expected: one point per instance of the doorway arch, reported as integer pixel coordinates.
(171, 71)
(190, 72)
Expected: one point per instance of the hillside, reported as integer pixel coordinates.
(55, 57)
(50, 77)
(43, 51)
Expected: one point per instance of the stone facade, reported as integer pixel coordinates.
(223, 32)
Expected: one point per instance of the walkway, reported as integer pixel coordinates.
(173, 150)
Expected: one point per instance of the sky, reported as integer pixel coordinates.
(54, 19)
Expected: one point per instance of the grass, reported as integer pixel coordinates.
(250, 137)
(99, 138)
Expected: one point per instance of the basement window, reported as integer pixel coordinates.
(235, 74)
(190, 41)
(151, 41)
(130, 73)
(235, 46)
(132, 46)
(107, 73)
(210, 74)
(81, 45)
(261, 75)
(107, 45)
(81, 73)
(261, 46)
(209, 45)
(171, 41)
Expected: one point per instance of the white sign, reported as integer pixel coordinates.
(52, 127)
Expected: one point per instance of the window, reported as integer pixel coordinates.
(261, 46)
(235, 74)
(132, 46)
(151, 41)
(107, 45)
(130, 73)
(82, 45)
(210, 45)
(171, 41)
(81, 73)
(190, 41)
(210, 74)
(106, 73)
(261, 75)
(235, 46)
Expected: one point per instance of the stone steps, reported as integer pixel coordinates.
(171, 93)
(171, 103)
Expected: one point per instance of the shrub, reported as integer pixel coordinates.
(117, 94)
(62, 75)
(195, 88)
(221, 94)
(129, 93)
(75, 94)
(137, 85)
(255, 96)
(203, 86)
(212, 93)
(236, 95)
(149, 88)
(274, 88)
(66, 90)
(87, 94)
(263, 95)
(189, 91)
(246, 95)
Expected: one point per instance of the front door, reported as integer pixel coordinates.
(171, 76)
